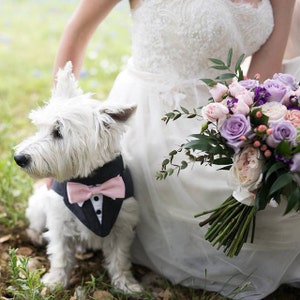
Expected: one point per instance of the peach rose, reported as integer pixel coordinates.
(293, 116)
(245, 175)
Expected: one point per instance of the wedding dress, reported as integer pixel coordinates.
(172, 41)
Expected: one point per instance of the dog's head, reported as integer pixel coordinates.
(76, 134)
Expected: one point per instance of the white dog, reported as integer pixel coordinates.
(90, 202)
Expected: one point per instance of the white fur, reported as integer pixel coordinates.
(76, 134)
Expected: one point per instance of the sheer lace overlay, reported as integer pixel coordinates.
(179, 36)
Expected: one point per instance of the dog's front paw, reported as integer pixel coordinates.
(35, 237)
(57, 278)
(127, 284)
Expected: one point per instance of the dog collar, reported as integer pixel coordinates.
(99, 213)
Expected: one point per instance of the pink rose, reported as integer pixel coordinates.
(246, 96)
(214, 112)
(218, 91)
(237, 106)
(293, 116)
(236, 89)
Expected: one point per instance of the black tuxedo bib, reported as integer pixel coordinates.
(100, 212)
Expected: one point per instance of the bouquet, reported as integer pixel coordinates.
(251, 129)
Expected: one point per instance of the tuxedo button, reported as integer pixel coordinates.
(98, 212)
(96, 198)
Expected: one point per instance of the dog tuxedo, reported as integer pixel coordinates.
(97, 199)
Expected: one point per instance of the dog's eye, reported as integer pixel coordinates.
(56, 132)
(106, 125)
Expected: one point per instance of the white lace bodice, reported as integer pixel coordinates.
(176, 37)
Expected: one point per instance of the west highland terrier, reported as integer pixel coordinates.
(91, 199)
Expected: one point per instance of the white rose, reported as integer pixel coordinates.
(274, 110)
(245, 175)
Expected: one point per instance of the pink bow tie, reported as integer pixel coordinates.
(112, 188)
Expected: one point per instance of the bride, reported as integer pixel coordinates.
(171, 43)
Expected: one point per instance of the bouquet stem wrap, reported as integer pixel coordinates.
(230, 225)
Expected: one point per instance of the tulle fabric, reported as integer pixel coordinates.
(169, 239)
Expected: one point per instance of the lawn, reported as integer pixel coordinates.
(29, 36)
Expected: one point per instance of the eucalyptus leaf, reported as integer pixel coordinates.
(209, 82)
(217, 61)
(219, 67)
(226, 76)
(186, 111)
(238, 63)
(229, 57)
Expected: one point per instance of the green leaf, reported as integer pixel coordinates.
(281, 182)
(238, 63)
(198, 145)
(263, 120)
(217, 61)
(209, 82)
(262, 197)
(226, 76)
(283, 148)
(223, 161)
(184, 164)
(173, 152)
(191, 116)
(165, 162)
(219, 67)
(275, 167)
(177, 116)
(170, 171)
(229, 57)
(186, 111)
(293, 201)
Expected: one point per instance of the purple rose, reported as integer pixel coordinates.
(249, 84)
(287, 79)
(234, 128)
(276, 88)
(282, 130)
(295, 166)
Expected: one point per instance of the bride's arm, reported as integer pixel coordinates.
(78, 31)
(268, 59)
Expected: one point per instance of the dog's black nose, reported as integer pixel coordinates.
(22, 160)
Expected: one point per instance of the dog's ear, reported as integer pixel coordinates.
(66, 86)
(119, 113)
